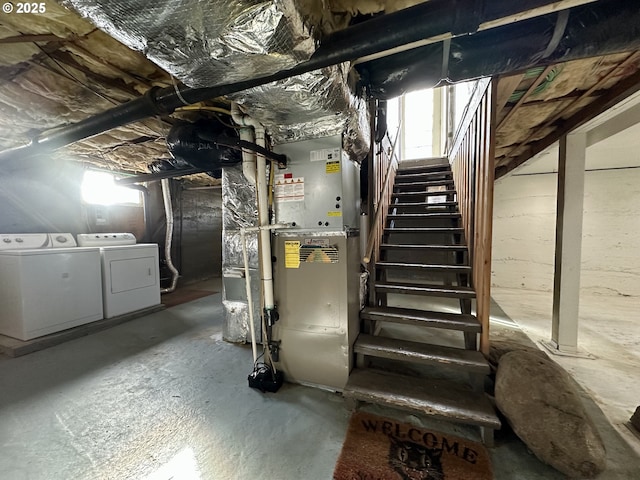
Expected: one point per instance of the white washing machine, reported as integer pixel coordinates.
(47, 284)
(130, 272)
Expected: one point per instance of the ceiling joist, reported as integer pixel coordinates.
(613, 96)
(549, 122)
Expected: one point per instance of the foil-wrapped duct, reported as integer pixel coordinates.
(239, 201)
(206, 42)
(236, 307)
(311, 105)
(239, 210)
(232, 255)
(236, 325)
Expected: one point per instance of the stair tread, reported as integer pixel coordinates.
(423, 215)
(416, 352)
(401, 246)
(425, 266)
(434, 290)
(428, 183)
(424, 204)
(438, 398)
(449, 321)
(431, 193)
(415, 175)
(425, 230)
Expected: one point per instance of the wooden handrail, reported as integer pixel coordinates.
(381, 205)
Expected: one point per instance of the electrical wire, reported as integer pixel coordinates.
(70, 76)
(205, 108)
(215, 110)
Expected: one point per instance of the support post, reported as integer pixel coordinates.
(566, 283)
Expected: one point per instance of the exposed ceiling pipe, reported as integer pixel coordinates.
(602, 28)
(425, 23)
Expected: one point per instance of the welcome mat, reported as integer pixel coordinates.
(379, 448)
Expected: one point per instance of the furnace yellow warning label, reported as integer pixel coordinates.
(291, 254)
(333, 167)
(314, 254)
(337, 213)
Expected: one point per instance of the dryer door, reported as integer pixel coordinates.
(133, 273)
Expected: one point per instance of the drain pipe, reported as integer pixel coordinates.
(168, 209)
(265, 235)
(247, 278)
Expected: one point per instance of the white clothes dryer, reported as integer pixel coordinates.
(130, 272)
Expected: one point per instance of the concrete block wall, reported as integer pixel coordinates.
(524, 232)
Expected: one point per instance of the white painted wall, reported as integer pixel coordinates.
(524, 232)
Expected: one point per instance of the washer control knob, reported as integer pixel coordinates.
(6, 240)
(61, 239)
(19, 240)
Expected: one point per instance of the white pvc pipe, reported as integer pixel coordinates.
(168, 210)
(247, 280)
(264, 240)
(246, 133)
(263, 220)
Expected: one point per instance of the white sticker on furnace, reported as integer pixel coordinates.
(326, 154)
(289, 188)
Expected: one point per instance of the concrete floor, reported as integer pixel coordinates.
(609, 332)
(163, 397)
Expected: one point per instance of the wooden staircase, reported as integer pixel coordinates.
(423, 259)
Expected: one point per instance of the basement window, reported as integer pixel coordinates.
(99, 188)
(418, 125)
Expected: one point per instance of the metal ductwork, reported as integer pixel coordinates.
(311, 105)
(603, 27)
(206, 43)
